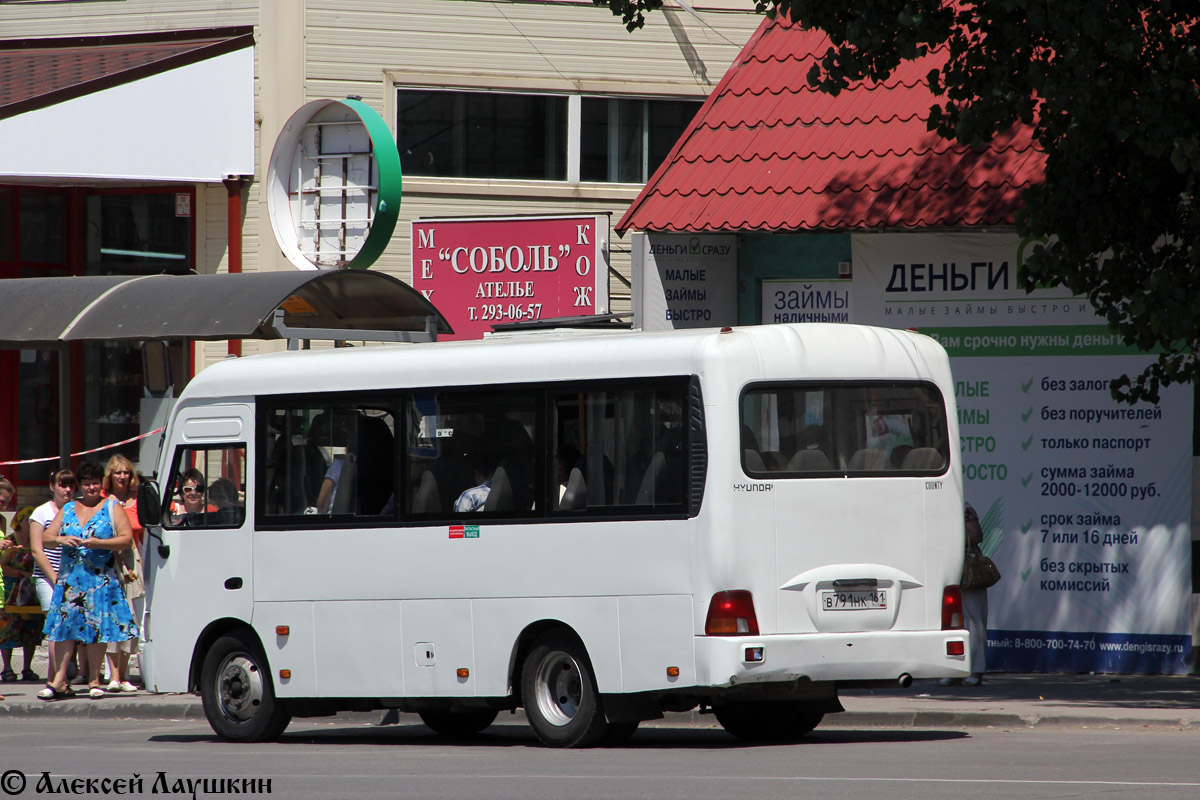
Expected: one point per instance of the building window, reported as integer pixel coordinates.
(42, 234)
(138, 233)
(482, 135)
(624, 141)
(477, 134)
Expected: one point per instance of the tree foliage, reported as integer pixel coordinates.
(1111, 90)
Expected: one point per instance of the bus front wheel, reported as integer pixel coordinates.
(237, 693)
(559, 691)
(779, 721)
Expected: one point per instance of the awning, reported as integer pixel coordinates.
(173, 106)
(44, 312)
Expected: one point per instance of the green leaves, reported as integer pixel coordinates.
(633, 12)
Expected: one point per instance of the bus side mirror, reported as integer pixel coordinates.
(149, 504)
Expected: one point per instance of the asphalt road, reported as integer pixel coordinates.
(328, 760)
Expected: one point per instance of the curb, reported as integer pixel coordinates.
(168, 707)
(180, 709)
(979, 719)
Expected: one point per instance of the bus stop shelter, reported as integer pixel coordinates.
(52, 313)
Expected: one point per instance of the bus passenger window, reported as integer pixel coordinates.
(620, 448)
(329, 460)
(849, 429)
(471, 453)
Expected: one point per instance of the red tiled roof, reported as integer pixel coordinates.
(767, 152)
(35, 73)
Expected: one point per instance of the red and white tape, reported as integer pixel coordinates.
(82, 452)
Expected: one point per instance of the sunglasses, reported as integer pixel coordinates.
(192, 490)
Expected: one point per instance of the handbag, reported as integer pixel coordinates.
(979, 571)
(129, 566)
(22, 599)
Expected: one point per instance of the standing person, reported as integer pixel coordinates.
(975, 608)
(89, 606)
(6, 495)
(46, 559)
(120, 483)
(19, 630)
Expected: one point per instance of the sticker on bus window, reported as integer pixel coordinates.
(464, 531)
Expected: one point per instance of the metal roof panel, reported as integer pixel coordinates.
(767, 152)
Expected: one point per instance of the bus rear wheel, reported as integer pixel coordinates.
(559, 691)
(779, 721)
(458, 723)
(237, 693)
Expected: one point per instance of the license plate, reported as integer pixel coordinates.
(853, 601)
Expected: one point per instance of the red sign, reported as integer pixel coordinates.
(489, 270)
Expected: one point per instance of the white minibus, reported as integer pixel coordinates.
(595, 527)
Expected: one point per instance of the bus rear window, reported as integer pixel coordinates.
(851, 429)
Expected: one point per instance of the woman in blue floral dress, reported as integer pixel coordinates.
(89, 606)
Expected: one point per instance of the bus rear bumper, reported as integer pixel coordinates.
(867, 656)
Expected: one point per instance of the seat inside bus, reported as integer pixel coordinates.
(868, 460)
(500, 498)
(574, 497)
(923, 458)
(809, 461)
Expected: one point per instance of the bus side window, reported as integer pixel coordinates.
(325, 459)
(472, 453)
(295, 465)
(620, 448)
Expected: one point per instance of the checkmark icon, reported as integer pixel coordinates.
(1025, 481)
(1025, 417)
(1025, 573)
(1025, 444)
(1026, 526)
(1025, 386)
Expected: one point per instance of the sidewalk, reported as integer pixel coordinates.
(1004, 700)
(1014, 700)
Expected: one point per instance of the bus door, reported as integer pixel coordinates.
(202, 570)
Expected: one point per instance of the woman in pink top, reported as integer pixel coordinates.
(120, 483)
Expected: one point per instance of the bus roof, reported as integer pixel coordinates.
(757, 352)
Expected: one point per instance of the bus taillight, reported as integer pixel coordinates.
(731, 614)
(952, 608)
